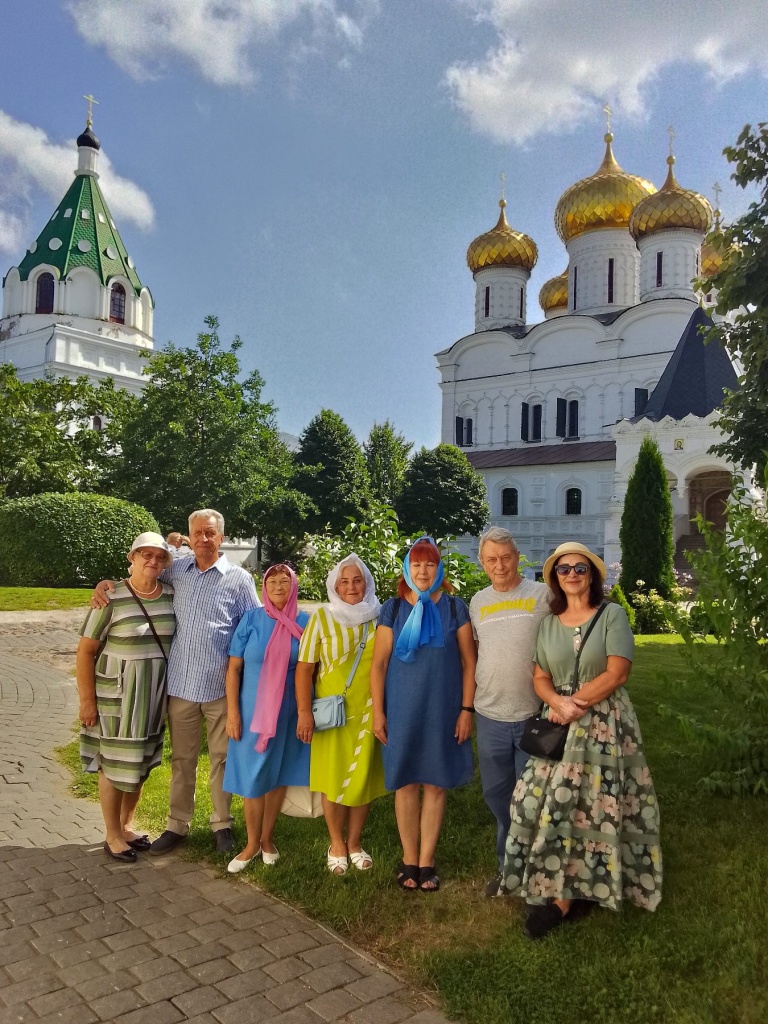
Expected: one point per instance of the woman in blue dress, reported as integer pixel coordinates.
(423, 688)
(264, 754)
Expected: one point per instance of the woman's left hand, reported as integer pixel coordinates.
(463, 726)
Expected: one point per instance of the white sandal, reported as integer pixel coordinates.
(236, 865)
(336, 863)
(363, 861)
(270, 858)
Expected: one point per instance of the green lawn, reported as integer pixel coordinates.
(17, 599)
(700, 958)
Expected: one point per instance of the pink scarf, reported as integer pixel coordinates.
(274, 669)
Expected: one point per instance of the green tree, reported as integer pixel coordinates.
(336, 478)
(386, 456)
(742, 284)
(199, 437)
(442, 494)
(647, 527)
(47, 438)
(730, 605)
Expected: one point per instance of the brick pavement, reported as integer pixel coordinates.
(85, 939)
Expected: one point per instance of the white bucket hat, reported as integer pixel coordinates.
(151, 540)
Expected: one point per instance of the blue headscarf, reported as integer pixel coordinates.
(423, 627)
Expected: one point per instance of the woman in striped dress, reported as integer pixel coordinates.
(345, 762)
(121, 665)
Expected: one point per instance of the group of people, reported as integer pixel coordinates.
(406, 682)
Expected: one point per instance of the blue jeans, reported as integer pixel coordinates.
(501, 764)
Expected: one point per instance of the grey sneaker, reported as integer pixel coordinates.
(495, 887)
(225, 840)
(166, 842)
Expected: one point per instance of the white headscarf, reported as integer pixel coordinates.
(353, 614)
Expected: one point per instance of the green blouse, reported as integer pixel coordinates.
(555, 651)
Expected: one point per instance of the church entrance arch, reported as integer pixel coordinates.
(708, 495)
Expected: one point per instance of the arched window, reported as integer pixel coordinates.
(97, 425)
(509, 501)
(117, 304)
(487, 304)
(573, 501)
(463, 432)
(44, 294)
(659, 269)
(611, 264)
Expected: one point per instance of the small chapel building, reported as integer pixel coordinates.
(75, 306)
(552, 414)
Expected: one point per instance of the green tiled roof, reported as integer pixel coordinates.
(83, 226)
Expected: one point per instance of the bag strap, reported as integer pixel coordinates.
(593, 623)
(358, 656)
(149, 620)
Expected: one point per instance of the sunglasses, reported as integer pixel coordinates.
(581, 569)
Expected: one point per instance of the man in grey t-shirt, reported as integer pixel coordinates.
(505, 620)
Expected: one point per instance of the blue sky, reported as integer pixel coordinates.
(312, 171)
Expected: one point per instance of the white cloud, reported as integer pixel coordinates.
(29, 160)
(217, 37)
(555, 64)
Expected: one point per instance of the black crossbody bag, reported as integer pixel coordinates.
(545, 739)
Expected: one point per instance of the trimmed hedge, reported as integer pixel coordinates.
(68, 540)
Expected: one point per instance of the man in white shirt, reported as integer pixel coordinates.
(505, 620)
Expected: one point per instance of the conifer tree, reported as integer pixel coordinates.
(647, 526)
(386, 455)
(338, 487)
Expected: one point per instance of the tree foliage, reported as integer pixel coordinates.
(647, 527)
(47, 438)
(336, 478)
(199, 437)
(742, 284)
(442, 494)
(68, 540)
(730, 605)
(386, 455)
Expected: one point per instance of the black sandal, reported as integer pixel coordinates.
(428, 879)
(544, 919)
(408, 873)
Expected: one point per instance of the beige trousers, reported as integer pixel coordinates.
(185, 721)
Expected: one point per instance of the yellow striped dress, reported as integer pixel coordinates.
(126, 742)
(345, 763)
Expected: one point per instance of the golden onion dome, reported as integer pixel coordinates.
(711, 256)
(671, 207)
(604, 200)
(502, 247)
(554, 292)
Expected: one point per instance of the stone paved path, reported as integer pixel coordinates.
(84, 939)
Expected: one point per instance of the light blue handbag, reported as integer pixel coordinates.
(330, 712)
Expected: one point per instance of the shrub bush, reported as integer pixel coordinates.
(652, 613)
(616, 594)
(381, 545)
(68, 540)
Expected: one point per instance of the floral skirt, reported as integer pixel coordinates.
(587, 827)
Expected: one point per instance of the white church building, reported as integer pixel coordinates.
(74, 306)
(552, 414)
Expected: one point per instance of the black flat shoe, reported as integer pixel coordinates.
(544, 919)
(140, 843)
(124, 856)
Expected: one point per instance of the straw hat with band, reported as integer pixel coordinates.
(572, 547)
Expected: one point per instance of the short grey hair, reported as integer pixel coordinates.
(208, 513)
(498, 535)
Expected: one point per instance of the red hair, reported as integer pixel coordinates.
(423, 549)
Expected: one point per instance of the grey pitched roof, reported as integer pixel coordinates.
(694, 378)
(545, 454)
